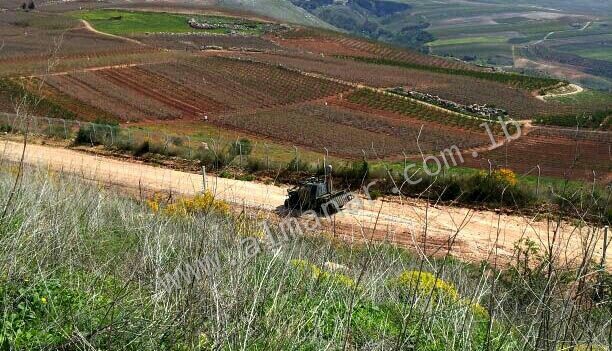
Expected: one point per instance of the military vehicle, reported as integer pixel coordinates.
(316, 194)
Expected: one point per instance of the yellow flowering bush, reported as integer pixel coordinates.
(584, 347)
(505, 176)
(476, 308)
(154, 203)
(318, 273)
(189, 206)
(424, 283)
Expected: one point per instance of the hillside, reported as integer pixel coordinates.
(493, 33)
(279, 9)
(194, 175)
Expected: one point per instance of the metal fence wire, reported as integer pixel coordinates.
(216, 153)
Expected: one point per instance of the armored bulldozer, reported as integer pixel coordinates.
(316, 194)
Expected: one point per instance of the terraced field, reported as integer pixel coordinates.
(410, 108)
(303, 90)
(244, 84)
(199, 41)
(349, 132)
(465, 90)
(191, 89)
(347, 46)
(562, 153)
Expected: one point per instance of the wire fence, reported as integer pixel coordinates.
(216, 153)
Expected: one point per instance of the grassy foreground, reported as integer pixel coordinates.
(82, 269)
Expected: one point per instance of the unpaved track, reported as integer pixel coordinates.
(480, 235)
(577, 90)
(89, 27)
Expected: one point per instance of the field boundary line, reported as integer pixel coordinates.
(90, 69)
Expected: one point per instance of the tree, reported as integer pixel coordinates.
(24, 6)
(31, 5)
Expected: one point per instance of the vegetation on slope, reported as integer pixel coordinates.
(38, 104)
(84, 269)
(520, 81)
(124, 22)
(601, 120)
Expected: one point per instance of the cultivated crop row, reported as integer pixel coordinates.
(411, 108)
(96, 91)
(89, 54)
(516, 80)
(382, 51)
(462, 89)
(351, 133)
(197, 42)
(244, 84)
(343, 45)
(557, 156)
(156, 87)
(573, 134)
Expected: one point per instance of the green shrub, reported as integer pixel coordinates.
(41, 105)
(241, 147)
(298, 165)
(97, 134)
(214, 159)
(142, 148)
(521, 81)
(598, 120)
(354, 175)
(255, 165)
(6, 128)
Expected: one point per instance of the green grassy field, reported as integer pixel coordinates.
(602, 54)
(121, 22)
(585, 97)
(467, 40)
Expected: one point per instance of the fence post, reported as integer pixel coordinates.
(65, 129)
(92, 136)
(325, 162)
(189, 145)
(267, 157)
(605, 247)
(204, 178)
(297, 159)
(240, 151)
(602, 266)
(538, 184)
(49, 123)
(111, 135)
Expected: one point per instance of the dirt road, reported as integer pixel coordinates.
(573, 90)
(89, 27)
(479, 235)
